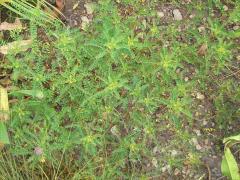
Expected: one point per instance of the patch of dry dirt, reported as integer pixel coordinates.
(77, 13)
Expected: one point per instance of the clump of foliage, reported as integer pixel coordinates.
(105, 95)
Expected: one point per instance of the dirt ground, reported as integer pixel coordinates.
(77, 13)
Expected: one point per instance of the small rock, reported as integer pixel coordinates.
(160, 14)
(114, 130)
(198, 147)
(200, 96)
(186, 79)
(164, 169)
(174, 153)
(156, 150)
(225, 8)
(178, 70)
(85, 22)
(166, 44)
(198, 132)
(38, 151)
(192, 16)
(177, 15)
(235, 27)
(205, 122)
(197, 114)
(238, 58)
(196, 144)
(177, 172)
(201, 29)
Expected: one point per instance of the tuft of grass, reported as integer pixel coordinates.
(32, 10)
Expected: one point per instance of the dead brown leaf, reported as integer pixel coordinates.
(11, 26)
(60, 4)
(202, 51)
(17, 45)
(5, 81)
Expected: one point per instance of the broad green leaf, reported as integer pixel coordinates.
(4, 1)
(235, 138)
(4, 105)
(34, 93)
(3, 134)
(224, 167)
(232, 165)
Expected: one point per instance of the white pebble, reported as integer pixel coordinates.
(177, 172)
(198, 132)
(201, 29)
(192, 16)
(177, 15)
(85, 22)
(225, 8)
(235, 27)
(198, 147)
(174, 153)
(160, 14)
(200, 96)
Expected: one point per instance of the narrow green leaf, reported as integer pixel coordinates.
(34, 93)
(3, 134)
